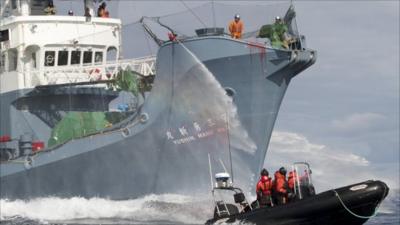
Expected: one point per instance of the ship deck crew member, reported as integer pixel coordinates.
(102, 11)
(280, 187)
(87, 12)
(281, 37)
(236, 27)
(264, 189)
(50, 9)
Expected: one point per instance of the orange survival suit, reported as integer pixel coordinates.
(280, 187)
(236, 29)
(264, 190)
(292, 177)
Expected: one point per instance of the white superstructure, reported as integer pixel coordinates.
(56, 49)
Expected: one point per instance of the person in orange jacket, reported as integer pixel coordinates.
(264, 189)
(280, 186)
(292, 177)
(236, 27)
(102, 11)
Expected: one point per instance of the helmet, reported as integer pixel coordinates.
(70, 12)
(264, 172)
(237, 16)
(277, 18)
(282, 170)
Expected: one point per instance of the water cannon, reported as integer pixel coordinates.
(222, 180)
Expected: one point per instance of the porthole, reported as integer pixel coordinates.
(126, 132)
(144, 117)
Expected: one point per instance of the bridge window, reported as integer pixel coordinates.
(14, 4)
(87, 57)
(98, 57)
(49, 58)
(112, 53)
(62, 58)
(75, 57)
(12, 60)
(33, 56)
(4, 35)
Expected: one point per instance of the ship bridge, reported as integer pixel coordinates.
(38, 49)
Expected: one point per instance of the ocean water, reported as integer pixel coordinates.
(152, 209)
(389, 212)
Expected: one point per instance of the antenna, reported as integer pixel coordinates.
(213, 13)
(229, 143)
(211, 176)
(223, 165)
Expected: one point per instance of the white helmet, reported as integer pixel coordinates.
(237, 16)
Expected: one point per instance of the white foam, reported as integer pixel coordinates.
(168, 207)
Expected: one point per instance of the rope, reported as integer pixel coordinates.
(194, 14)
(354, 214)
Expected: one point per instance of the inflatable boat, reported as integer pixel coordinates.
(353, 204)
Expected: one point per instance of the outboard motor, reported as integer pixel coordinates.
(222, 180)
(223, 208)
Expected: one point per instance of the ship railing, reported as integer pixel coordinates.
(89, 73)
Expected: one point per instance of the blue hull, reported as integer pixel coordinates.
(165, 148)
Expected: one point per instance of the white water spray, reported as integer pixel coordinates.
(168, 207)
(239, 137)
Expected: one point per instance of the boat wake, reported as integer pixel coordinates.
(151, 209)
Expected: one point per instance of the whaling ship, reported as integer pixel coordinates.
(77, 120)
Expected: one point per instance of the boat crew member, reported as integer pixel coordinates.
(307, 188)
(236, 27)
(50, 9)
(280, 37)
(292, 177)
(280, 187)
(102, 11)
(264, 189)
(70, 13)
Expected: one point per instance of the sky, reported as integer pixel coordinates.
(347, 103)
(341, 114)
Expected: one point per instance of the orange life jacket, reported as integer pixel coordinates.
(264, 186)
(280, 183)
(102, 12)
(292, 177)
(236, 29)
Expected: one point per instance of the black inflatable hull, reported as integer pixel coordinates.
(324, 208)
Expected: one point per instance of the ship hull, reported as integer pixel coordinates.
(141, 157)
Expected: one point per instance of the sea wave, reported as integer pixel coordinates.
(151, 209)
(166, 208)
